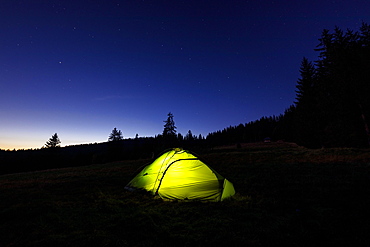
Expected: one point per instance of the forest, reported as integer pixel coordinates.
(332, 109)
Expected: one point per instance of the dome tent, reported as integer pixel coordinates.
(179, 175)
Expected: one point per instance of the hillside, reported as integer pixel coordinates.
(286, 195)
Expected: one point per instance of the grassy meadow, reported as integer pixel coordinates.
(286, 196)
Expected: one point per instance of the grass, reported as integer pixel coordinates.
(286, 195)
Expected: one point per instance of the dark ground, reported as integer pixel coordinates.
(286, 196)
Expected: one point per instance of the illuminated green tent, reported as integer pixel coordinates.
(179, 175)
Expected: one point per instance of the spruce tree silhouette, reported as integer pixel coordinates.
(169, 127)
(189, 136)
(53, 142)
(169, 132)
(116, 135)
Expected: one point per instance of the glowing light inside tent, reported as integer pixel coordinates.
(179, 175)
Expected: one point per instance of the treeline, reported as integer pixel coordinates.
(52, 155)
(99, 153)
(332, 107)
(333, 103)
(77, 155)
(255, 131)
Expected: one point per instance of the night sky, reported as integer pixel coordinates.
(81, 68)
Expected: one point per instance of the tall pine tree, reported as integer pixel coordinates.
(169, 136)
(53, 142)
(305, 84)
(116, 135)
(169, 129)
(307, 112)
(339, 96)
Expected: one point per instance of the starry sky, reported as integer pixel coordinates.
(80, 68)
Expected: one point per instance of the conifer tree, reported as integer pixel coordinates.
(53, 142)
(306, 83)
(116, 135)
(169, 126)
(307, 114)
(341, 88)
(189, 136)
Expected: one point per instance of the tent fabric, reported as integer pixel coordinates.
(179, 175)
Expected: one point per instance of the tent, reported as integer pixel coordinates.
(179, 175)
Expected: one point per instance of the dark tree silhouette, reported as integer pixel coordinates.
(53, 142)
(180, 137)
(189, 136)
(116, 135)
(254, 131)
(307, 121)
(169, 127)
(333, 106)
(306, 83)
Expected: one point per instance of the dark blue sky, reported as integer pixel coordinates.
(81, 68)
